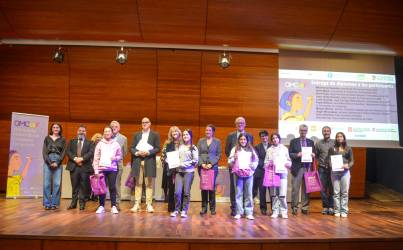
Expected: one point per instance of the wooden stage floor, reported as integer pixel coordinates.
(369, 221)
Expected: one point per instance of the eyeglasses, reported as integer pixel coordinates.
(145, 122)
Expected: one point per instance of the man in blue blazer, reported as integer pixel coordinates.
(298, 169)
(231, 142)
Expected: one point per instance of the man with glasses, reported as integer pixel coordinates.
(298, 168)
(144, 149)
(231, 141)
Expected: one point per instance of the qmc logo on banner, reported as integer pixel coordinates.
(25, 164)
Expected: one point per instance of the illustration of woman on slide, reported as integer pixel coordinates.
(291, 101)
(14, 178)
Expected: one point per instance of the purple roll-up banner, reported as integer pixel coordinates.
(25, 164)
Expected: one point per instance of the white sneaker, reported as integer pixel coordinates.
(150, 209)
(114, 210)
(344, 215)
(237, 217)
(184, 214)
(100, 210)
(135, 208)
(284, 215)
(274, 215)
(250, 217)
(337, 214)
(174, 214)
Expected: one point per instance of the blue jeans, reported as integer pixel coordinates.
(244, 194)
(51, 193)
(341, 185)
(327, 187)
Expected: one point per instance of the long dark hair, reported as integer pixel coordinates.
(343, 144)
(51, 129)
(248, 146)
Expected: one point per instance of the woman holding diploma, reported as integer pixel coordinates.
(168, 175)
(244, 161)
(341, 160)
(188, 158)
(277, 156)
(106, 157)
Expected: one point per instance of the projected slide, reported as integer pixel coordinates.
(361, 105)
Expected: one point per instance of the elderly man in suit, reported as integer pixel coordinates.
(144, 149)
(240, 124)
(298, 169)
(80, 152)
(122, 140)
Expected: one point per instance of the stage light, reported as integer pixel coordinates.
(224, 60)
(58, 55)
(121, 56)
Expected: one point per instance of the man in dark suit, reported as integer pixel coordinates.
(298, 169)
(230, 142)
(144, 149)
(261, 149)
(80, 153)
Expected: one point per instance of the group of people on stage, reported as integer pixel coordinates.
(249, 167)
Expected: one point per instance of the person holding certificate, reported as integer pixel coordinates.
(277, 156)
(188, 159)
(144, 149)
(209, 155)
(341, 161)
(107, 155)
(243, 161)
(301, 155)
(168, 175)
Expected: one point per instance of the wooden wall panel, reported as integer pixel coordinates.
(21, 244)
(178, 88)
(103, 90)
(86, 20)
(166, 21)
(78, 245)
(249, 87)
(31, 83)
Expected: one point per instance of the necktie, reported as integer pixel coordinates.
(79, 147)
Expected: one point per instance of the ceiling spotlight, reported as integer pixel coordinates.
(58, 55)
(224, 60)
(121, 56)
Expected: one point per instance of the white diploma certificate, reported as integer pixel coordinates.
(279, 163)
(106, 158)
(173, 159)
(244, 159)
(337, 163)
(144, 146)
(306, 154)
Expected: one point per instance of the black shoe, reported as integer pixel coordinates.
(233, 213)
(82, 206)
(306, 212)
(72, 206)
(264, 212)
(213, 212)
(203, 211)
(294, 211)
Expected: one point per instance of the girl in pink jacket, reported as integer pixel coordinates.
(106, 157)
